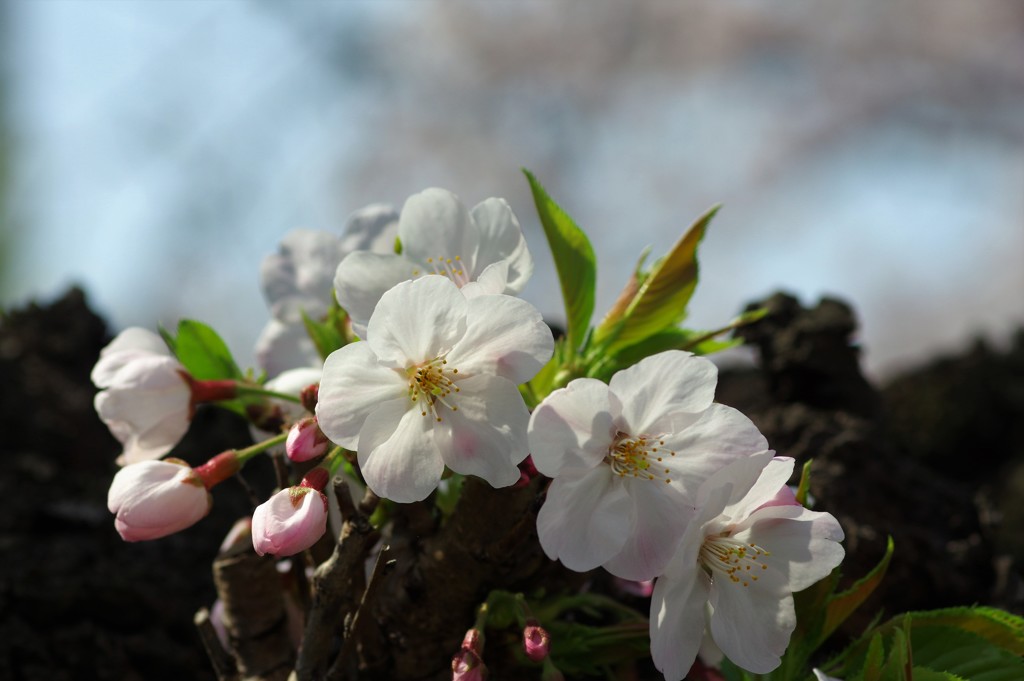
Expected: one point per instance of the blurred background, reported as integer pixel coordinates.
(154, 152)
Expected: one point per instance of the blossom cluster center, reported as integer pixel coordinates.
(741, 563)
(639, 457)
(432, 385)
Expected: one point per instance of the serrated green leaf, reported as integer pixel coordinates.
(661, 300)
(843, 604)
(203, 353)
(963, 653)
(998, 627)
(874, 659)
(574, 261)
(898, 665)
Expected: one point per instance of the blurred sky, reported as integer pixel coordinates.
(873, 151)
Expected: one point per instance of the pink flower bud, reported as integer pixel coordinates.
(306, 441)
(536, 641)
(289, 522)
(784, 497)
(152, 499)
(467, 666)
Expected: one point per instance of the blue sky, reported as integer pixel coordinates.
(165, 147)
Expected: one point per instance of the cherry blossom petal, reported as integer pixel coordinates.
(573, 427)
(417, 321)
(661, 384)
(490, 282)
(486, 436)
(362, 278)
(774, 475)
(289, 522)
(352, 386)
(504, 336)
(585, 519)
(397, 454)
(717, 438)
(502, 240)
(659, 521)
(677, 622)
(729, 484)
(435, 224)
(281, 347)
(298, 278)
(129, 345)
(752, 625)
(153, 499)
(804, 544)
(373, 228)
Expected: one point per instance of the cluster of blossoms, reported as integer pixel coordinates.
(650, 479)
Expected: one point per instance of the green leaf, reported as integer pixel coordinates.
(998, 627)
(805, 483)
(874, 659)
(963, 653)
(661, 300)
(843, 604)
(898, 665)
(574, 261)
(202, 352)
(328, 335)
(448, 493)
(925, 674)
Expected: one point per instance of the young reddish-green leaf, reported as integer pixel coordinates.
(203, 353)
(574, 261)
(843, 604)
(661, 300)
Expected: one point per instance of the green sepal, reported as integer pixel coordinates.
(574, 261)
(661, 299)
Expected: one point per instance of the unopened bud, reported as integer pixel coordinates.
(467, 666)
(306, 441)
(536, 641)
(309, 397)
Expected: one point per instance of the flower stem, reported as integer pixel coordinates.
(247, 389)
(260, 447)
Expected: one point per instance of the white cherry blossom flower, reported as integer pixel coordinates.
(482, 251)
(627, 459)
(299, 279)
(147, 401)
(435, 385)
(741, 558)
